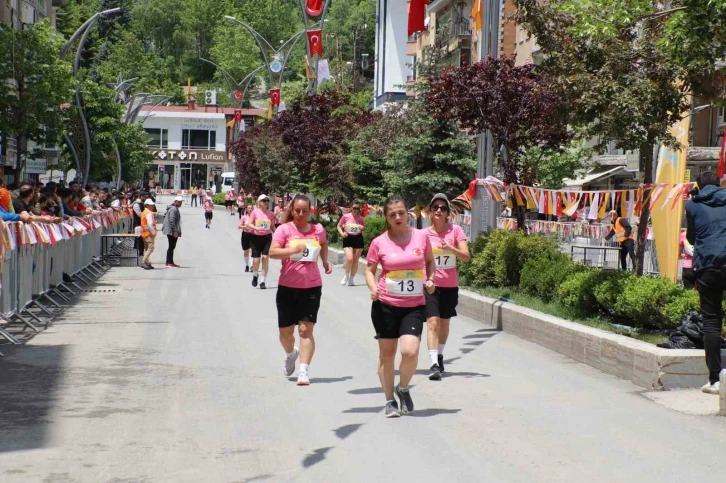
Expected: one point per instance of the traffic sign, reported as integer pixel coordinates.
(238, 95)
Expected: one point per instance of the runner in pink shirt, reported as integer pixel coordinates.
(405, 256)
(299, 244)
(350, 228)
(246, 235)
(261, 223)
(208, 211)
(448, 242)
(240, 204)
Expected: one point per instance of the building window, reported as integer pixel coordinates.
(199, 139)
(158, 138)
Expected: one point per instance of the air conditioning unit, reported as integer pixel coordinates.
(210, 98)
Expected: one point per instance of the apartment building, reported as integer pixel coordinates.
(22, 14)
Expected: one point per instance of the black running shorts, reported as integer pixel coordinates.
(393, 322)
(260, 245)
(297, 304)
(353, 241)
(208, 215)
(246, 240)
(442, 303)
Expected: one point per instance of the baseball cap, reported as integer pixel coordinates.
(440, 196)
(178, 198)
(263, 197)
(116, 204)
(149, 202)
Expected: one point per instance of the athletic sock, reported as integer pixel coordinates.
(434, 356)
(262, 279)
(403, 389)
(304, 367)
(288, 354)
(441, 348)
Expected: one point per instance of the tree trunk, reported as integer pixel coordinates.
(19, 164)
(646, 164)
(518, 212)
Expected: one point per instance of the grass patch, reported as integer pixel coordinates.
(557, 310)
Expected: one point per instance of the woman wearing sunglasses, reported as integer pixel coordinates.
(299, 244)
(350, 228)
(448, 242)
(261, 224)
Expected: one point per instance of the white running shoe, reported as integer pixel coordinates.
(303, 379)
(344, 281)
(290, 362)
(351, 281)
(710, 388)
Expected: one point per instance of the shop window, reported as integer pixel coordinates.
(199, 139)
(158, 138)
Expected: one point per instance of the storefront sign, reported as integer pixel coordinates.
(204, 124)
(186, 156)
(36, 166)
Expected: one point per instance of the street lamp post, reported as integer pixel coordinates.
(233, 85)
(313, 9)
(357, 29)
(82, 32)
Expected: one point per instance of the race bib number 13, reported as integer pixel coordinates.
(405, 283)
(444, 260)
(311, 252)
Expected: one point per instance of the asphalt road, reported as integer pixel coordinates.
(175, 375)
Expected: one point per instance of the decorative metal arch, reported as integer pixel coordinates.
(234, 85)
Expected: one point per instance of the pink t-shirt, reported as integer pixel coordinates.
(404, 269)
(687, 259)
(446, 273)
(262, 221)
(208, 205)
(301, 270)
(348, 222)
(243, 222)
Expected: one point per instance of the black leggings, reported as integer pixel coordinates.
(627, 247)
(194, 200)
(170, 250)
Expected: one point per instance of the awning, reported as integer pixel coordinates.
(593, 175)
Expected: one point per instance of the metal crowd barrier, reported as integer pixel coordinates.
(33, 284)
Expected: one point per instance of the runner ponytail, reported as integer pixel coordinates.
(287, 217)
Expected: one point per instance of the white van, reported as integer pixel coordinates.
(227, 181)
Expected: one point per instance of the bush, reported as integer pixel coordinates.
(218, 199)
(373, 227)
(515, 252)
(644, 299)
(543, 275)
(482, 263)
(466, 273)
(679, 306)
(576, 292)
(609, 289)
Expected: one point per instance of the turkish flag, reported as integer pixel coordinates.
(416, 16)
(237, 115)
(315, 42)
(275, 97)
(314, 7)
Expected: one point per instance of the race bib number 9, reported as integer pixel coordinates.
(352, 229)
(444, 260)
(405, 283)
(311, 252)
(262, 224)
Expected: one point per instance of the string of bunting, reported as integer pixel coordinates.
(566, 202)
(17, 234)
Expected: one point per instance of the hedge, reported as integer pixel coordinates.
(535, 265)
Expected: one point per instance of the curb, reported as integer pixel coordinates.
(643, 364)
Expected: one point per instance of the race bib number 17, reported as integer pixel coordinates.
(405, 283)
(444, 260)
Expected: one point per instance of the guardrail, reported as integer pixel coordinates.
(39, 262)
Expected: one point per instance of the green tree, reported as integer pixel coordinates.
(623, 85)
(37, 84)
(434, 157)
(552, 167)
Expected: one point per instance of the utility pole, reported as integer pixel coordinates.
(483, 210)
(357, 29)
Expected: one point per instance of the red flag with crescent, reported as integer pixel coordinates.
(275, 97)
(416, 16)
(314, 42)
(314, 7)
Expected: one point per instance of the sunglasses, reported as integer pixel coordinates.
(439, 208)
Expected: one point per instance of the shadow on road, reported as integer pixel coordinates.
(367, 390)
(30, 377)
(369, 410)
(315, 457)
(345, 431)
(324, 380)
(427, 413)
